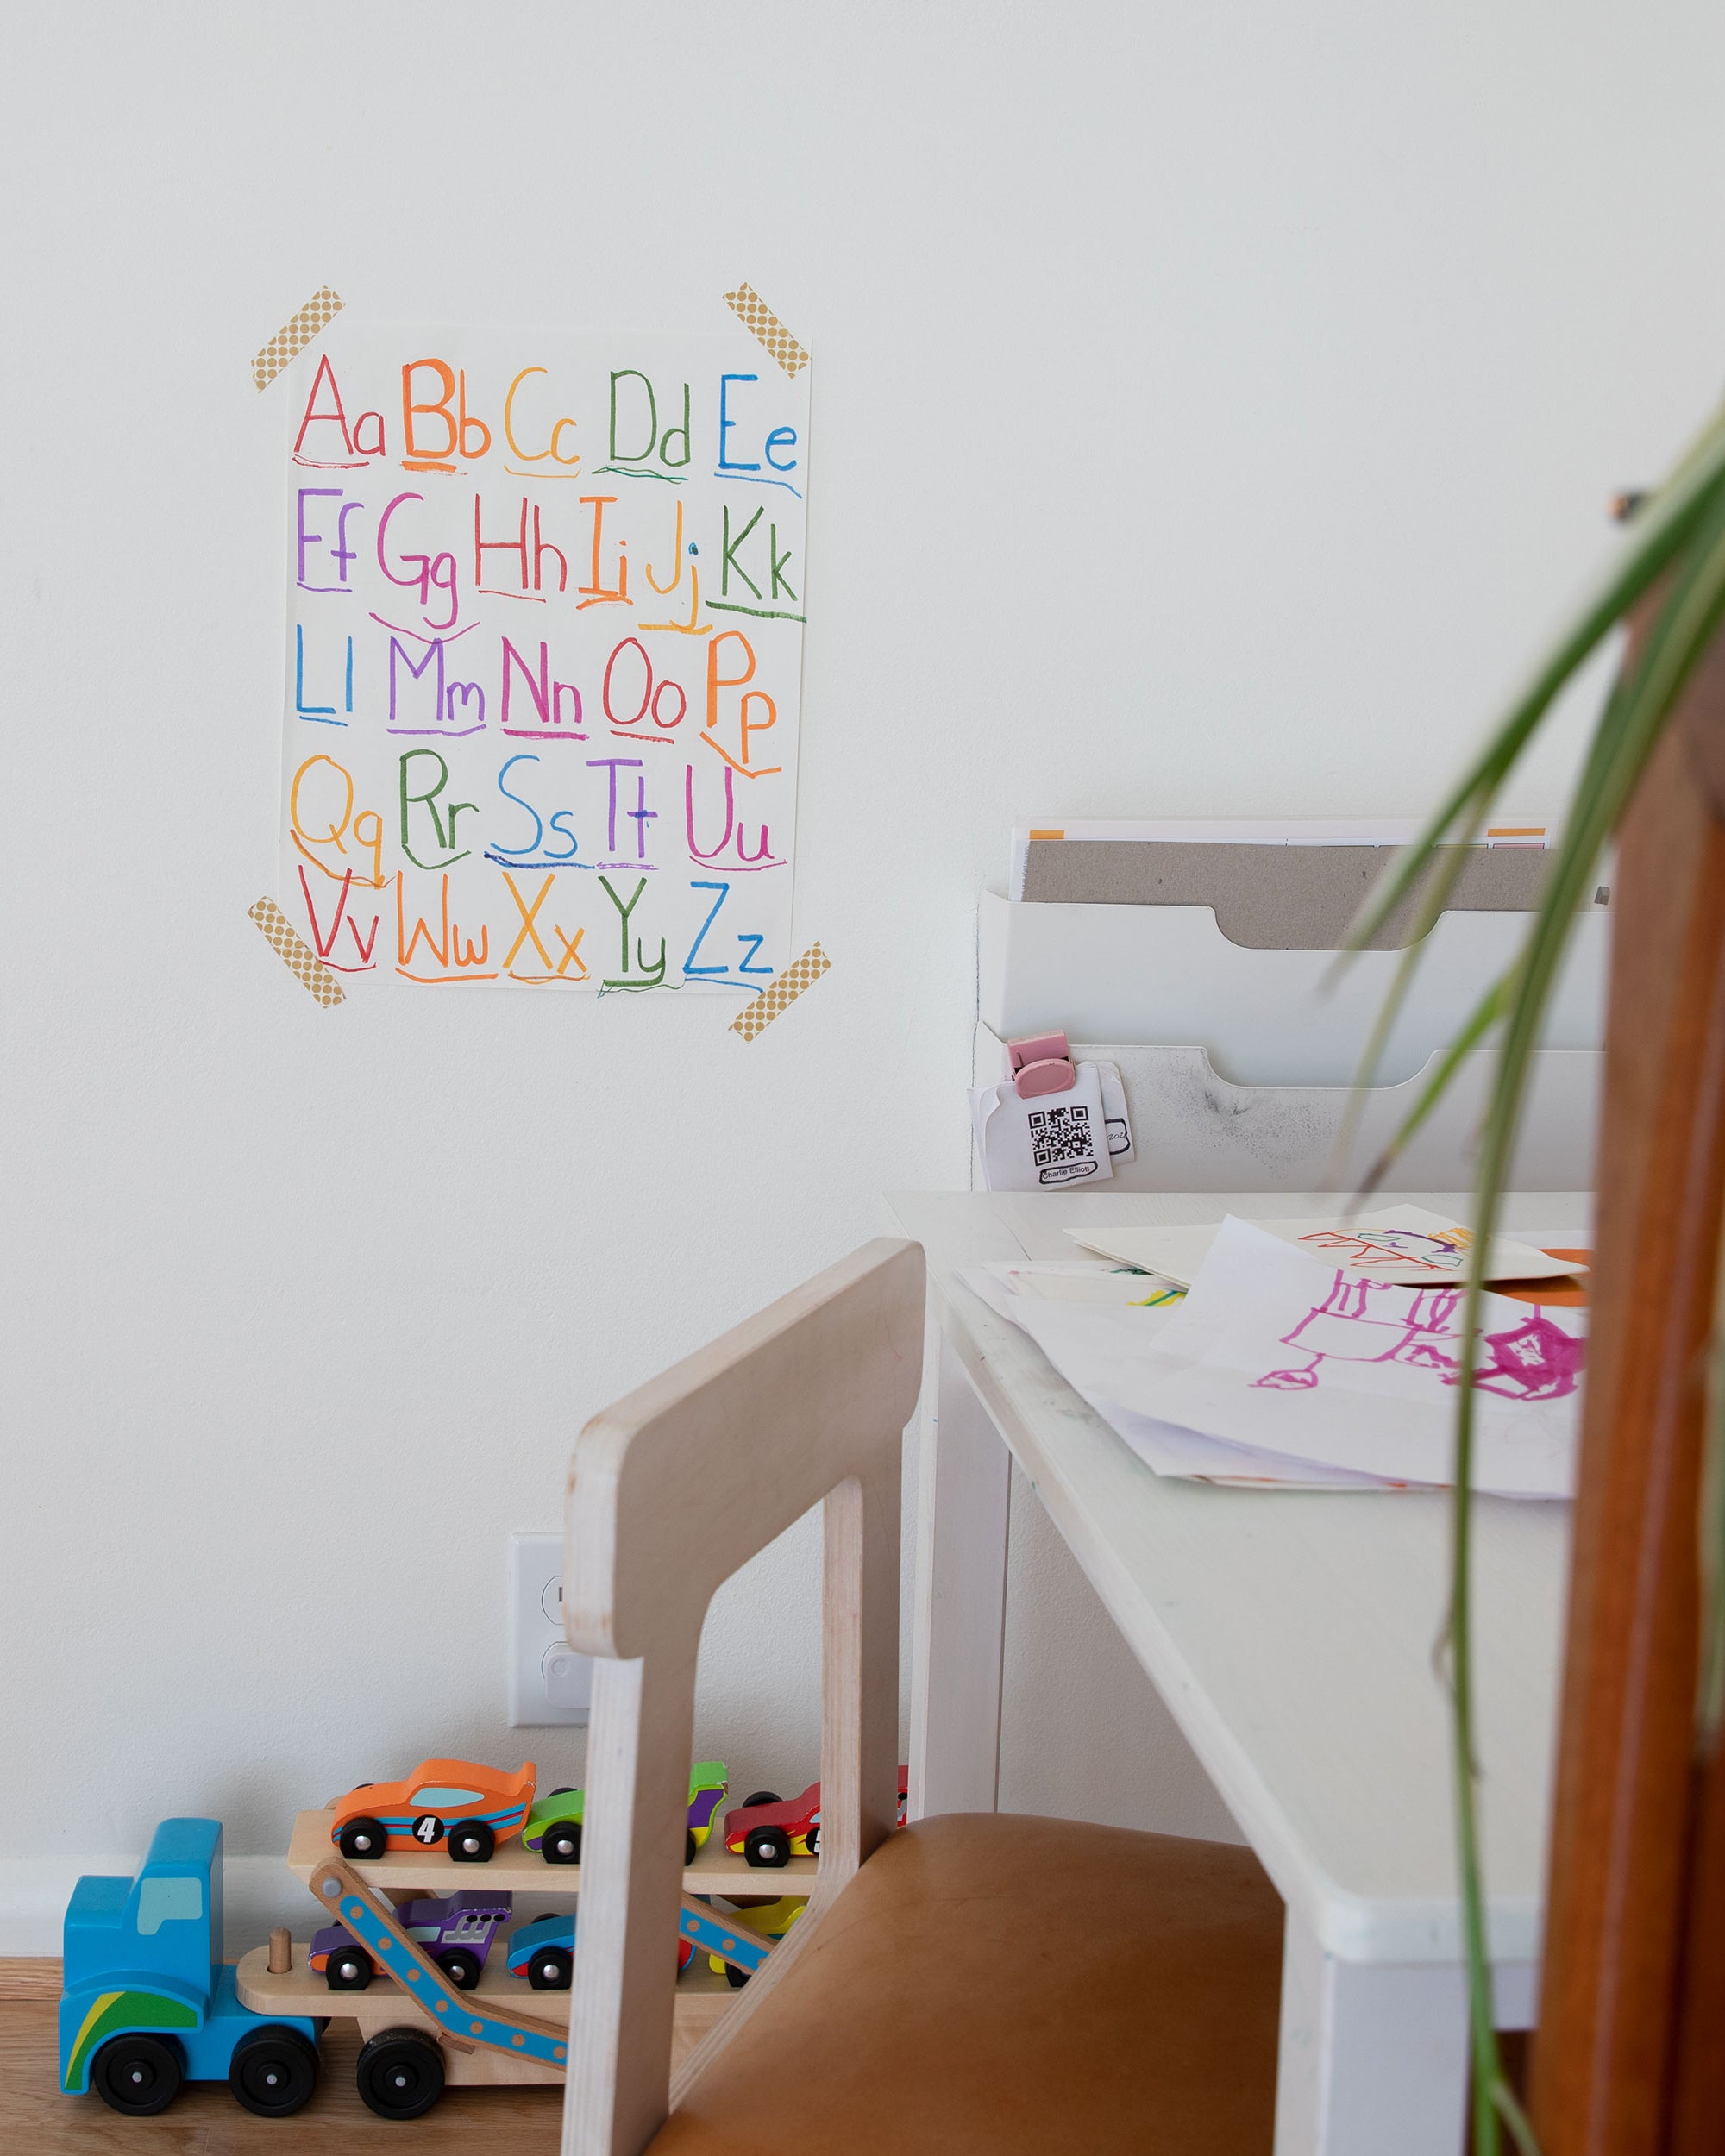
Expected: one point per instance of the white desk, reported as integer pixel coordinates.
(1291, 1635)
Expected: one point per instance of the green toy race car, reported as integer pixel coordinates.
(553, 1825)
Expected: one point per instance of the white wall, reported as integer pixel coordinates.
(1214, 404)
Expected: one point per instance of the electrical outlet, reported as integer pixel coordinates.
(550, 1686)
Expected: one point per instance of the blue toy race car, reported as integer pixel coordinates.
(544, 1953)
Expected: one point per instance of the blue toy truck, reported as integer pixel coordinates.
(148, 2005)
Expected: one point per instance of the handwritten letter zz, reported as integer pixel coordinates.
(545, 646)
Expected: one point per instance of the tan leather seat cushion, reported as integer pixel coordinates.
(993, 1984)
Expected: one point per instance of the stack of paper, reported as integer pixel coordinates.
(1404, 1244)
(1282, 1368)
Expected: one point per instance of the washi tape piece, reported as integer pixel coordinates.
(779, 995)
(287, 943)
(753, 312)
(292, 339)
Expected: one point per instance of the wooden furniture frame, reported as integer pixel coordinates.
(1290, 1637)
(670, 1491)
(1630, 2059)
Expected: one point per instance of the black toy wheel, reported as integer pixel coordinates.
(273, 2072)
(734, 1977)
(560, 1843)
(813, 1838)
(138, 2075)
(761, 1796)
(362, 1839)
(471, 1841)
(400, 2074)
(461, 1967)
(549, 1968)
(564, 1789)
(768, 1848)
(348, 1969)
(690, 1845)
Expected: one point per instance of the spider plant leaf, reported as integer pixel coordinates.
(1486, 1014)
(1663, 528)
(1447, 863)
(1635, 716)
(1605, 736)
(1433, 867)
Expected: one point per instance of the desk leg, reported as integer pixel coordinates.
(1374, 2056)
(961, 1599)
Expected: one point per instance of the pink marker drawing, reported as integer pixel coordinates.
(1534, 1360)
(1345, 1328)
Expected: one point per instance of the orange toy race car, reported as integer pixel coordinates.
(472, 1807)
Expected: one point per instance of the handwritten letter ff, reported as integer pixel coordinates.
(545, 605)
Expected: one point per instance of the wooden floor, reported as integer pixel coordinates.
(36, 2120)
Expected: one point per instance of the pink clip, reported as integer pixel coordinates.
(1042, 1064)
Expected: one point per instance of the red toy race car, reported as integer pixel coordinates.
(768, 1831)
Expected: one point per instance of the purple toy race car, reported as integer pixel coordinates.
(455, 1930)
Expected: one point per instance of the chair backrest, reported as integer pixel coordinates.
(671, 1491)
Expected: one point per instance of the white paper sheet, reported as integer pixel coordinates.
(1109, 1286)
(545, 600)
(1319, 1374)
(1401, 1244)
(1072, 1329)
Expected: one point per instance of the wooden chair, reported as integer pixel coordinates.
(982, 1982)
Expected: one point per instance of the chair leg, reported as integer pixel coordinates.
(859, 1708)
(622, 2001)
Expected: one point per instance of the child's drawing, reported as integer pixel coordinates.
(1535, 1360)
(1373, 1321)
(1367, 1321)
(1444, 1250)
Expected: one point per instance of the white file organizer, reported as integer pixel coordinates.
(1237, 1062)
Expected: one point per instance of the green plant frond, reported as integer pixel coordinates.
(1508, 2108)
(1636, 715)
(1434, 873)
(1663, 528)
(1693, 455)
(1447, 863)
(1486, 1014)
(1601, 750)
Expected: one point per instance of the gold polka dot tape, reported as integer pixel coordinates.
(779, 995)
(753, 312)
(292, 339)
(287, 943)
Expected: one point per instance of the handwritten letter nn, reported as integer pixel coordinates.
(544, 642)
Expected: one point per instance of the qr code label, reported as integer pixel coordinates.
(1057, 1135)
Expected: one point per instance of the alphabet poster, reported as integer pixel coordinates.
(546, 592)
